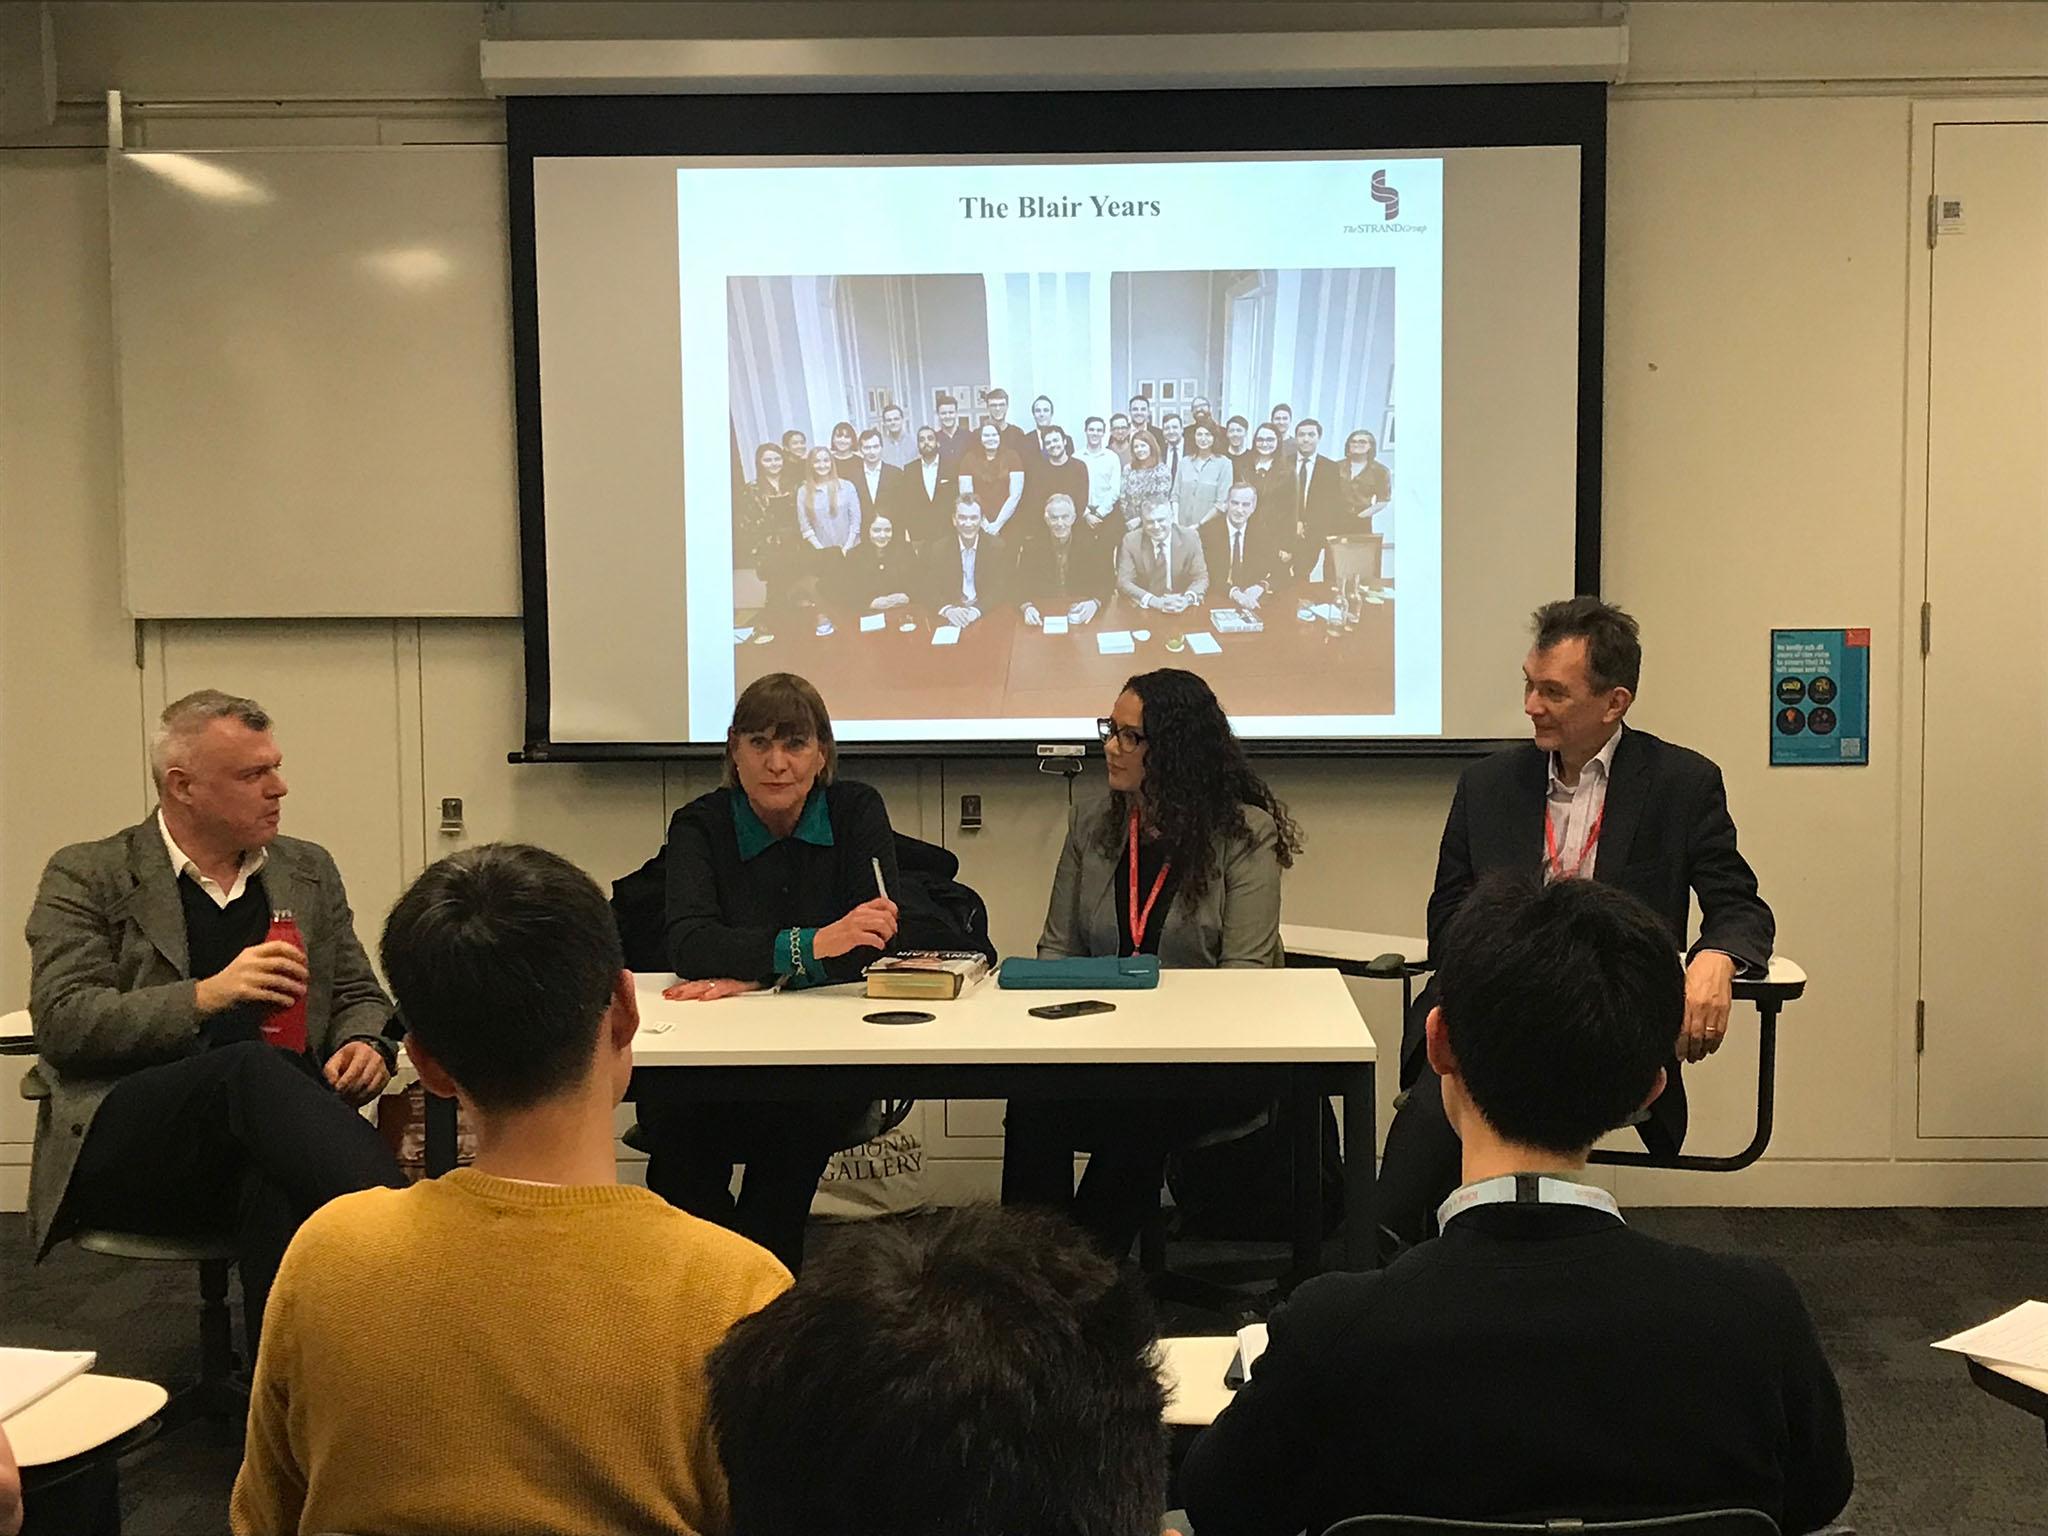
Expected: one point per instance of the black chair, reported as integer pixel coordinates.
(1709, 1522)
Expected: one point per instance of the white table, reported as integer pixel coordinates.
(1393, 956)
(1192, 1371)
(1295, 1035)
(83, 1415)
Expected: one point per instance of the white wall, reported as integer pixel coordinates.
(1756, 382)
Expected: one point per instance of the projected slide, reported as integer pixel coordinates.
(969, 444)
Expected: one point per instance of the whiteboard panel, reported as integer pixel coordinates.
(315, 374)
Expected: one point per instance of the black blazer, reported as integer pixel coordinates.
(1666, 834)
(993, 564)
(1262, 564)
(1534, 1361)
(887, 494)
(721, 912)
(1089, 573)
(1325, 504)
(924, 518)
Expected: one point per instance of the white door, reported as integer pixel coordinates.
(1984, 897)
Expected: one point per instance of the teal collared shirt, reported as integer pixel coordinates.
(814, 826)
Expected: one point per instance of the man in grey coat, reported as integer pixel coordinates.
(163, 1106)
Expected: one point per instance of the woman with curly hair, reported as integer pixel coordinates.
(1182, 861)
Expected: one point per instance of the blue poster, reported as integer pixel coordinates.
(1820, 696)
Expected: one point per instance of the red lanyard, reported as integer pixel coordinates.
(1557, 869)
(1141, 916)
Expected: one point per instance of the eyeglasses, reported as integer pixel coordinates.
(1126, 738)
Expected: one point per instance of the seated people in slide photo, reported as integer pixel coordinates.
(195, 1075)
(965, 575)
(1241, 553)
(978, 1371)
(1062, 573)
(1105, 472)
(1540, 1359)
(884, 570)
(519, 1344)
(1204, 477)
(996, 472)
(1182, 860)
(925, 493)
(1593, 800)
(771, 882)
(1365, 483)
(1160, 565)
(828, 519)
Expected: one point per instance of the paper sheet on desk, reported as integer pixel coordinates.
(2018, 1337)
(946, 634)
(28, 1375)
(1202, 643)
(1056, 624)
(870, 622)
(1251, 1343)
(1115, 642)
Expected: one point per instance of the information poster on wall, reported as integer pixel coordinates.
(1820, 697)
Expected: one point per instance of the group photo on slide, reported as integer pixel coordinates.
(988, 497)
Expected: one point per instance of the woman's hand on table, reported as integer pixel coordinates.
(871, 925)
(708, 991)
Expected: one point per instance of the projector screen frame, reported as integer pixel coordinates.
(1093, 122)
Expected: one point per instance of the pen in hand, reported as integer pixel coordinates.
(881, 889)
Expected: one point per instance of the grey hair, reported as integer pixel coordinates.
(185, 718)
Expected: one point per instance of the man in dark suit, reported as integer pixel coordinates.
(1062, 571)
(1586, 799)
(1317, 493)
(173, 1099)
(1241, 551)
(965, 575)
(874, 481)
(925, 493)
(1540, 1360)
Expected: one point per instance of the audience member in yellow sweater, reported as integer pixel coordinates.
(517, 1347)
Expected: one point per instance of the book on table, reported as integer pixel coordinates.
(926, 974)
(28, 1375)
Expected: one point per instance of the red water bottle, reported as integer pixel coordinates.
(286, 1026)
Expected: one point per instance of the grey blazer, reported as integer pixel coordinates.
(111, 990)
(1235, 923)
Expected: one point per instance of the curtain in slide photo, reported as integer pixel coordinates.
(1048, 334)
(791, 362)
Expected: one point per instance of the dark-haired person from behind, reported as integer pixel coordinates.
(1540, 1359)
(771, 883)
(1182, 860)
(518, 1345)
(981, 1371)
(1586, 799)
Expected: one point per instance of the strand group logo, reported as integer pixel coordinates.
(1388, 198)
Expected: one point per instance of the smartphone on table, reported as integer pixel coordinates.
(1074, 1010)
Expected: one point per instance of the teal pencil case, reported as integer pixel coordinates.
(1080, 973)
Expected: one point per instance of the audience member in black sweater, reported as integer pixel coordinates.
(771, 882)
(1539, 1359)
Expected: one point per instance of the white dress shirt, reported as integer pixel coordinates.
(1573, 810)
(1105, 476)
(874, 479)
(932, 469)
(181, 863)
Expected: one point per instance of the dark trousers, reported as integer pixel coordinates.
(244, 1139)
(692, 1148)
(1127, 1140)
